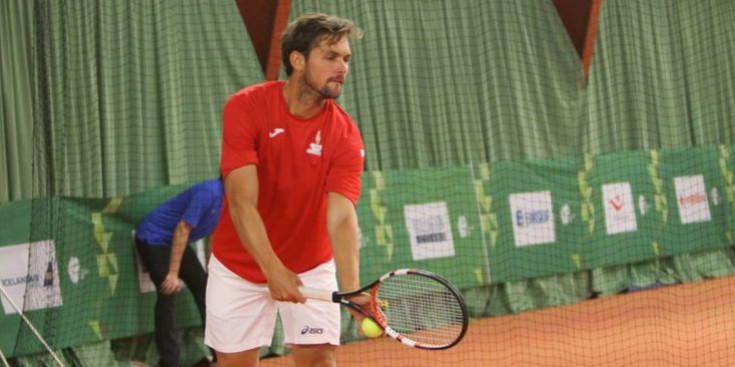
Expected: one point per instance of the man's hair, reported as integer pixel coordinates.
(306, 32)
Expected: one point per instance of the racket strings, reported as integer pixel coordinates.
(421, 309)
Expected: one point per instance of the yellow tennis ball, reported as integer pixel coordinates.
(370, 328)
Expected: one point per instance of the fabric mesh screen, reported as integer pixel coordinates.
(490, 160)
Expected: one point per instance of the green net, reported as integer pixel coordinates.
(490, 159)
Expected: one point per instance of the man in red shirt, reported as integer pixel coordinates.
(292, 161)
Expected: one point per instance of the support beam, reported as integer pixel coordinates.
(589, 44)
(580, 18)
(280, 21)
(575, 16)
(258, 16)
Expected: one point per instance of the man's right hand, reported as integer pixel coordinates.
(283, 285)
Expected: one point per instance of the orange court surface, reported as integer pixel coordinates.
(682, 325)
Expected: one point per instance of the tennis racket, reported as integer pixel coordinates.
(415, 307)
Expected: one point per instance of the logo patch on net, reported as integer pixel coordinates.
(617, 199)
(430, 230)
(533, 218)
(691, 197)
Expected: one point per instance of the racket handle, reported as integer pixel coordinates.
(318, 294)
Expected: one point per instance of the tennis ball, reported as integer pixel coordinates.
(370, 328)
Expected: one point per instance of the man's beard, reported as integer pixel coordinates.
(325, 92)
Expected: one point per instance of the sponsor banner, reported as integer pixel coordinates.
(617, 199)
(429, 230)
(691, 198)
(29, 275)
(533, 218)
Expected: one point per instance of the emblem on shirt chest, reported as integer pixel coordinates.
(315, 148)
(276, 132)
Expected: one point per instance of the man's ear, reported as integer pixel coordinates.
(298, 60)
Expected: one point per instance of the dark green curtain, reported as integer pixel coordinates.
(16, 105)
(439, 83)
(444, 83)
(662, 76)
(129, 94)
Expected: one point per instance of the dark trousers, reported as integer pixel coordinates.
(156, 260)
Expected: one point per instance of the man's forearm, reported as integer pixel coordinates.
(180, 241)
(347, 256)
(253, 236)
(241, 187)
(342, 226)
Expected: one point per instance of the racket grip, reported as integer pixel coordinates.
(318, 294)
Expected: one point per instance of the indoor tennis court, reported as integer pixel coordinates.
(566, 167)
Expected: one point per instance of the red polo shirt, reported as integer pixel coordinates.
(299, 161)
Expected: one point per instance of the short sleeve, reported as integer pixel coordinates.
(199, 205)
(239, 134)
(345, 174)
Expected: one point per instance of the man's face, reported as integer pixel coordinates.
(327, 66)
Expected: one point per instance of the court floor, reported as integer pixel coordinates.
(683, 325)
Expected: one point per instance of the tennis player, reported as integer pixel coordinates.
(292, 161)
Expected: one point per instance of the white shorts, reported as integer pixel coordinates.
(242, 315)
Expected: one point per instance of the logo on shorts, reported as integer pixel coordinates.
(311, 330)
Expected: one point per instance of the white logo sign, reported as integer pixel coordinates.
(533, 218)
(566, 214)
(363, 240)
(691, 197)
(642, 205)
(29, 274)
(715, 195)
(75, 270)
(430, 230)
(617, 199)
(462, 227)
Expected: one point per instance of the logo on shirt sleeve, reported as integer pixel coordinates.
(315, 148)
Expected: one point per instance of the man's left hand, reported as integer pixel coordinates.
(362, 300)
(171, 285)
